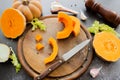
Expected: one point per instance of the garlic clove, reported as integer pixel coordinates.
(95, 71)
(82, 16)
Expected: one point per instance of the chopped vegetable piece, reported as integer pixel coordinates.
(4, 52)
(15, 61)
(39, 46)
(38, 24)
(97, 27)
(53, 55)
(38, 37)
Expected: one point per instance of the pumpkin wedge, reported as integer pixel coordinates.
(53, 55)
(107, 46)
(13, 23)
(76, 25)
(68, 25)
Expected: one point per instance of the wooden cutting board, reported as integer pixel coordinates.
(33, 60)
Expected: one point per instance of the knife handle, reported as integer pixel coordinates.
(49, 70)
(108, 15)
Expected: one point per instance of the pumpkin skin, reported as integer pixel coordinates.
(30, 8)
(107, 46)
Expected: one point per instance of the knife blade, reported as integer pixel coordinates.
(64, 58)
(74, 50)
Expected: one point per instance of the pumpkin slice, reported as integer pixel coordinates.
(67, 21)
(53, 55)
(107, 46)
(12, 23)
(76, 25)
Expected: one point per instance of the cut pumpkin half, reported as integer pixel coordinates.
(107, 46)
(13, 23)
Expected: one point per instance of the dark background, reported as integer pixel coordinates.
(110, 71)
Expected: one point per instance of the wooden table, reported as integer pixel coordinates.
(110, 71)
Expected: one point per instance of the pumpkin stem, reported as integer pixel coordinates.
(25, 2)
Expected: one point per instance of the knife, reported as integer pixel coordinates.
(64, 58)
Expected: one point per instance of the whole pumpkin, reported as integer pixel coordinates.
(30, 8)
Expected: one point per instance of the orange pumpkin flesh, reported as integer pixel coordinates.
(12, 23)
(39, 46)
(38, 37)
(107, 46)
(76, 25)
(53, 55)
(67, 21)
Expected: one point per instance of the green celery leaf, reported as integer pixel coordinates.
(15, 61)
(38, 24)
(97, 27)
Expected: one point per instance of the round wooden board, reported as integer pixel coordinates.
(33, 60)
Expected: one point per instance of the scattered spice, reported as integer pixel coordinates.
(75, 4)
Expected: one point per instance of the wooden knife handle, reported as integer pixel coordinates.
(49, 70)
(108, 15)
